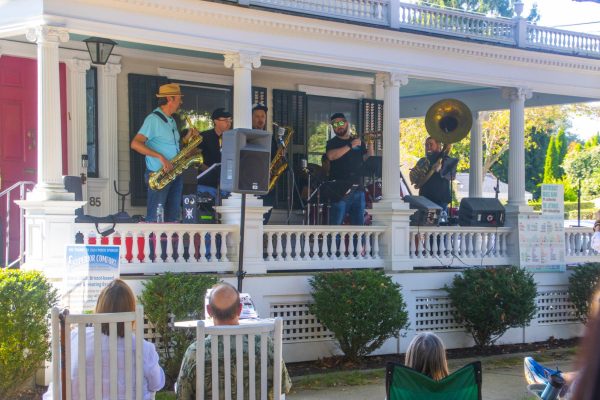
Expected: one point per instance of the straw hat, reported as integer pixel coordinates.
(170, 89)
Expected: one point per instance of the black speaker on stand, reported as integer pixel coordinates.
(479, 211)
(428, 213)
(245, 163)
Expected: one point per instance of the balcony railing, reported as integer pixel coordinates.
(395, 14)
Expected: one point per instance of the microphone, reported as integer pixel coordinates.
(280, 133)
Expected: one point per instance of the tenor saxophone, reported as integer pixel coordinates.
(278, 163)
(187, 157)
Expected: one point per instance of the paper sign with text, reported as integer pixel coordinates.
(88, 270)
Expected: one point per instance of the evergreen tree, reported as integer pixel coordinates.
(551, 156)
(592, 141)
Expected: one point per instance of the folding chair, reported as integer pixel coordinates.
(404, 383)
(221, 340)
(62, 358)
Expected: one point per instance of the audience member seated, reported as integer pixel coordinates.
(426, 354)
(225, 308)
(114, 298)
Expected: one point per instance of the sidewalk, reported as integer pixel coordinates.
(502, 379)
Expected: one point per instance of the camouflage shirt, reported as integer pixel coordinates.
(186, 381)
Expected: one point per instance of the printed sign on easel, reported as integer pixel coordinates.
(89, 269)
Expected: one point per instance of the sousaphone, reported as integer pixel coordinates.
(447, 121)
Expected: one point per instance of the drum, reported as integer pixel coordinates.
(319, 214)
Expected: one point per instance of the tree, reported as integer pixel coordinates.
(584, 166)
(502, 8)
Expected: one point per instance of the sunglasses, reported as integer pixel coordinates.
(338, 124)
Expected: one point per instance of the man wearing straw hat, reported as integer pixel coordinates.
(158, 140)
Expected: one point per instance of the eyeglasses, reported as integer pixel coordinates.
(338, 124)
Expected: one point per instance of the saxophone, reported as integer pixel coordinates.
(187, 157)
(279, 163)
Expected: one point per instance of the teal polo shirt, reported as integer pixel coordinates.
(162, 137)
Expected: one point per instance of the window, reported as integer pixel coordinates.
(320, 110)
(91, 94)
(199, 101)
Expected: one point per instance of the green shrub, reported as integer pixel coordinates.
(582, 283)
(569, 206)
(25, 298)
(489, 301)
(179, 296)
(587, 213)
(363, 308)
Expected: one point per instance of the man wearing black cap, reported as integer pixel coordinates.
(346, 155)
(211, 149)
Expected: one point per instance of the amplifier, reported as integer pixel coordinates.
(428, 213)
(477, 211)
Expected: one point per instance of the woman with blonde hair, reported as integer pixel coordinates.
(114, 298)
(426, 354)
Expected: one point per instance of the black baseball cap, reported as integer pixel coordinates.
(220, 113)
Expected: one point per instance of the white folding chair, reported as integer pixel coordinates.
(61, 353)
(237, 333)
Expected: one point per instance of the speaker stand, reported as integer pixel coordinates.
(241, 273)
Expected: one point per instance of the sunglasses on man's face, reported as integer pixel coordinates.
(338, 124)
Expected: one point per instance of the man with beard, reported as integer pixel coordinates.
(259, 121)
(346, 155)
(437, 187)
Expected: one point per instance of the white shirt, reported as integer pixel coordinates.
(154, 376)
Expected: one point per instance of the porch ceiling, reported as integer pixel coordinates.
(416, 96)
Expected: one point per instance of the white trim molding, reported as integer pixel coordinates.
(332, 92)
(200, 77)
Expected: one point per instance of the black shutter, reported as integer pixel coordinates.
(290, 110)
(371, 115)
(259, 95)
(371, 120)
(142, 100)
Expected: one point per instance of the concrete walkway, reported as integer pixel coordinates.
(502, 379)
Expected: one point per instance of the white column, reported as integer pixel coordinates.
(49, 158)
(391, 135)
(476, 159)
(76, 100)
(392, 212)
(242, 64)
(516, 156)
(107, 131)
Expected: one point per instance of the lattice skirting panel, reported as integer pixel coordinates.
(299, 325)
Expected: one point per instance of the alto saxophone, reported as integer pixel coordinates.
(187, 157)
(278, 163)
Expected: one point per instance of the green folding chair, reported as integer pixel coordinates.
(404, 383)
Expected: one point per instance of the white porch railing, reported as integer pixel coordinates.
(370, 11)
(157, 248)
(289, 247)
(395, 14)
(457, 23)
(458, 246)
(577, 245)
(555, 39)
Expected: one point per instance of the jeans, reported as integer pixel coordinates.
(353, 204)
(169, 197)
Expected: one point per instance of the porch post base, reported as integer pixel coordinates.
(253, 238)
(50, 191)
(394, 247)
(49, 227)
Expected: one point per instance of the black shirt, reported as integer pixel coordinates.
(348, 166)
(436, 189)
(211, 152)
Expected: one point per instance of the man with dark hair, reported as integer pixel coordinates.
(346, 155)
(158, 140)
(259, 121)
(437, 187)
(259, 116)
(211, 145)
(224, 307)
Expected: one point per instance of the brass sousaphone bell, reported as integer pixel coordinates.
(447, 121)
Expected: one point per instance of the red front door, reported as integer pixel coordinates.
(18, 137)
